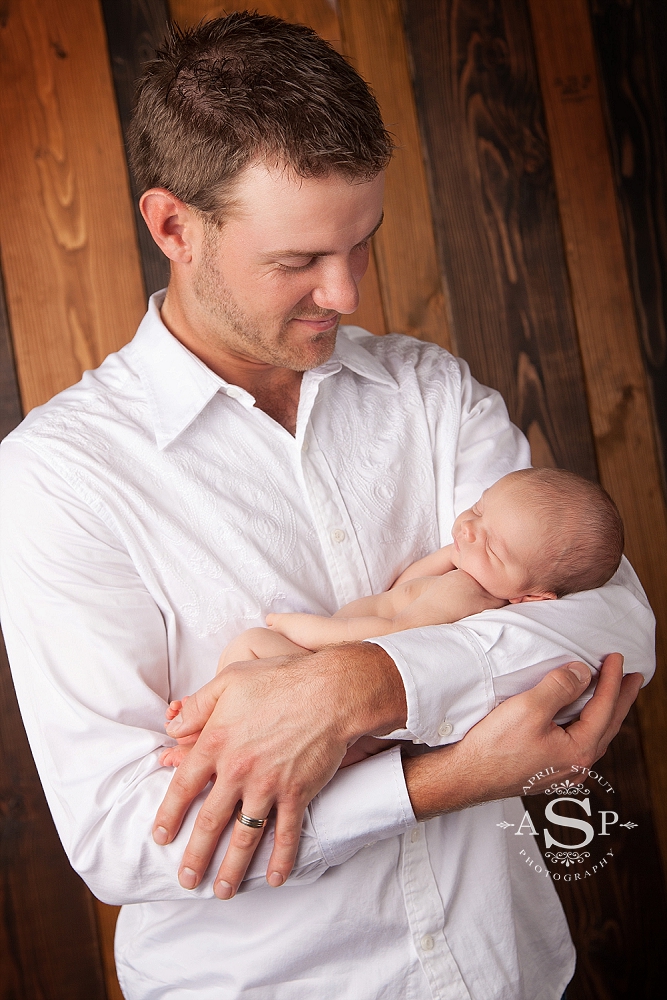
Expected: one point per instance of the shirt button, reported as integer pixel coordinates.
(414, 836)
(304, 446)
(445, 728)
(338, 535)
(234, 391)
(427, 942)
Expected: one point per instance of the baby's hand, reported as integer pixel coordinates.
(173, 756)
(174, 709)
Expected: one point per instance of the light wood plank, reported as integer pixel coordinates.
(73, 281)
(619, 403)
(412, 291)
(321, 16)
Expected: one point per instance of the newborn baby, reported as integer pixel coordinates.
(535, 535)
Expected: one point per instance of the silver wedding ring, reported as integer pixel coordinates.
(256, 824)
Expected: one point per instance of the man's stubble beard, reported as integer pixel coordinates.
(243, 334)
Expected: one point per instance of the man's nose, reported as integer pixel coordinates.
(338, 289)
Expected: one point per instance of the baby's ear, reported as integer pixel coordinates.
(547, 596)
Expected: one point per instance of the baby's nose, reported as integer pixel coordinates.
(468, 529)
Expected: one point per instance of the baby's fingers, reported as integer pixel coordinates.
(173, 710)
(196, 709)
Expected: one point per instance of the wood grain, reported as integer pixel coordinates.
(496, 217)
(73, 280)
(499, 237)
(410, 281)
(321, 17)
(631, 40)
(134, 30)
(618, 397)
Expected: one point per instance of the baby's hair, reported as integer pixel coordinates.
(584, 542)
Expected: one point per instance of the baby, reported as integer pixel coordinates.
(535, 535)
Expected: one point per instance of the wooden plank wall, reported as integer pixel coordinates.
(631, 41)
(471, 255)
(498, 208)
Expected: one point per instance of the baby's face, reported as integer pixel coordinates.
(498, 542)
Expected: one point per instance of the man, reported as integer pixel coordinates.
(239, 457)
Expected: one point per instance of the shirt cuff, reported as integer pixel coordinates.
(363, 803)
(447, 679)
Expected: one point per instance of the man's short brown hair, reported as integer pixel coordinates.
(248, 87)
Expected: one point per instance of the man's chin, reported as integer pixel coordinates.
(312, 353)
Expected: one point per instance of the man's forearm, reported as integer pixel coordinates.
(513, 742)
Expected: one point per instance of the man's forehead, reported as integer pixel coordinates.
(280, 205)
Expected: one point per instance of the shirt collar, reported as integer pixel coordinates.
(179, 386)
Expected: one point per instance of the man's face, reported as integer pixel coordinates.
(271, 284)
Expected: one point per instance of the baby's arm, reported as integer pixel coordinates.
(255, 644)
(434, 564)
(437, 600)
(318, 631)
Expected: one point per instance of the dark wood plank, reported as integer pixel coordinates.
(496, 217)
(631, 41)
(499, 238)
(10, 403)
(134, 31)
(619, 400)
(48, 938)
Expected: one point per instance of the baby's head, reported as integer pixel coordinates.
(539, 534)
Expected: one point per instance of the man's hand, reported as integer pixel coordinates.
(273, 732)
(520, 738)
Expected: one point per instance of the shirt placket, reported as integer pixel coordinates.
(335, 528)
(426, 918)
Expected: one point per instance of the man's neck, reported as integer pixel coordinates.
(276, 390)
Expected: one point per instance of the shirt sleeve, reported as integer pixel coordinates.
(454, 675)
(88, 650)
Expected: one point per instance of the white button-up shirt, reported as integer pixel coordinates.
(152, 512)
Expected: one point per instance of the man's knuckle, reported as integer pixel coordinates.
(208, 821)
(287, 838)
(562, 684)
(245, 838)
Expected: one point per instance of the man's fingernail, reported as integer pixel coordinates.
(187, 878)
(223, 890)
(275, 879)
(175, 724)
(160, 835)
(581, 673)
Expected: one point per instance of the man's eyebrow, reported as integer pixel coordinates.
(323, 253)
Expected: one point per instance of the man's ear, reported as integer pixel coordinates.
(170, 223)
(546, 596)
